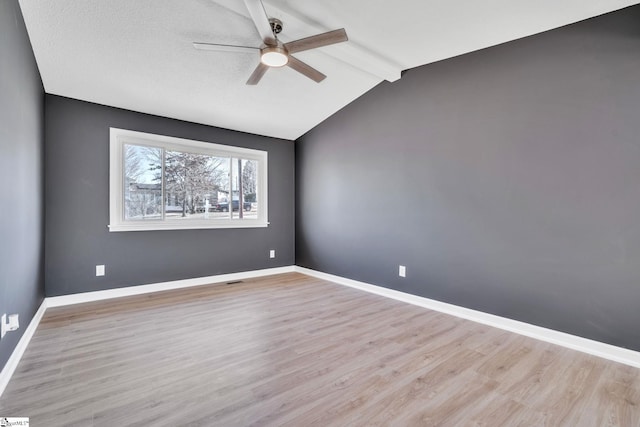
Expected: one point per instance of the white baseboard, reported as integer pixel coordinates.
(15, 357)
(163, 286)
(585, 345)
(596, 348)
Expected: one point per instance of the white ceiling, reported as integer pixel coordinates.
(138, 55)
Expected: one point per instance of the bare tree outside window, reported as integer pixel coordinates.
(191, 179)
(142, 193)
(249, 180)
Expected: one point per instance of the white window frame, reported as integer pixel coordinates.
(119, 137)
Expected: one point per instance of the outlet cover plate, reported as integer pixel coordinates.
(3, 326)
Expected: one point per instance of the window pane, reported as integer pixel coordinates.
(142, 184)
(245, 184)
(194, 185)
(250, 186)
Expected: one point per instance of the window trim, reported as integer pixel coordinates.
(119, 137)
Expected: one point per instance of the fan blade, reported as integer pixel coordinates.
(257, 74)
(324, 39)
(261, 21)
(305, 69)
(225, 47)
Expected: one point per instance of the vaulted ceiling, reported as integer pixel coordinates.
(138, 55)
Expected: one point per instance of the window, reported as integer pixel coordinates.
(165, 183)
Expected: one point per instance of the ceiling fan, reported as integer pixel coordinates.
(274, 53)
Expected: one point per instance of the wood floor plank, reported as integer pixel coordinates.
(291, 350)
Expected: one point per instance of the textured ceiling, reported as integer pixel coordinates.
(138, 55)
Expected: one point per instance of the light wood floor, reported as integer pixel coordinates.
(291, 350)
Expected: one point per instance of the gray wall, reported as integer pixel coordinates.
(21, 151)
(506, 180)
(77, 207)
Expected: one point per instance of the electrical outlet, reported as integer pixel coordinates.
(272, 253)
(9, 326)
(99, 270)
(402, 271)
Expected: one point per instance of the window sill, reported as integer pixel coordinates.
(150, 226)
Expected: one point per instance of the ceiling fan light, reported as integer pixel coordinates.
(274, 56)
